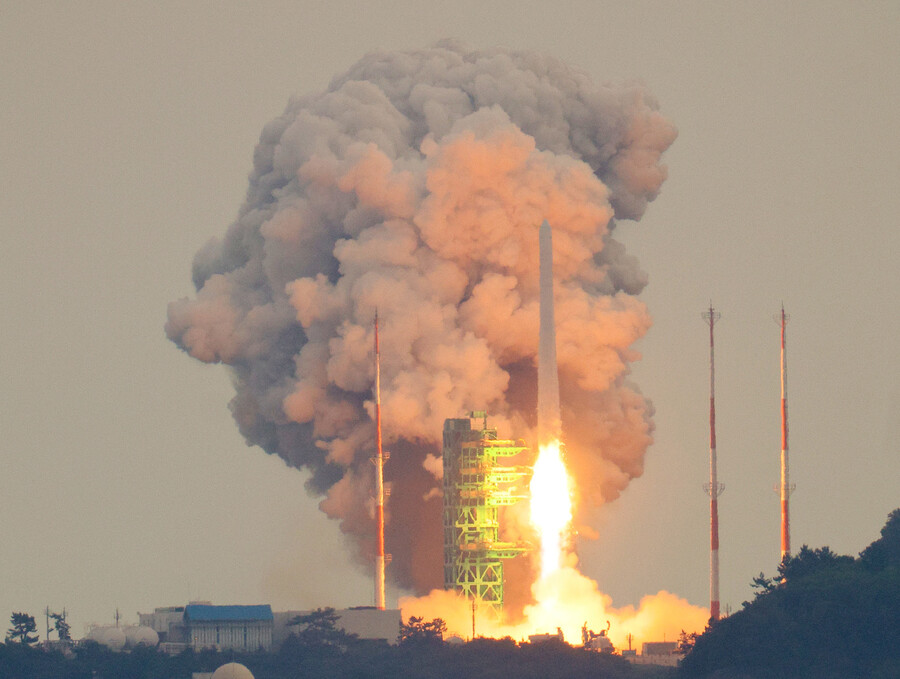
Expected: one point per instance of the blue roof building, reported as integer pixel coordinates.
(245, 628)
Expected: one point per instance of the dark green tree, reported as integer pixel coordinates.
(23, 630)
(418, 631)
(885, 551)
(61, 626)
(825, 615)
(809, 561)
(320, 628)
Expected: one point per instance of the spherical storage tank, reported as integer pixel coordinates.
(233, 670)
(111, 637)
(140, 635)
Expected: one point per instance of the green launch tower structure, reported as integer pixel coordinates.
(476, 485)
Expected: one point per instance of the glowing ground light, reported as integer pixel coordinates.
(551, 505)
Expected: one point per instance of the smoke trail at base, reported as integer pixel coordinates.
(414, 184)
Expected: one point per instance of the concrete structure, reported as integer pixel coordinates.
(663, 653)
(475, 487)
(246, 628)
(167, 622)
(366, 622)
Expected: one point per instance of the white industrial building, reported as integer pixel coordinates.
(167, 622)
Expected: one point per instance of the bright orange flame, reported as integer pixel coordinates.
(551, 506)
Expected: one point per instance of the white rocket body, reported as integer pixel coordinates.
(549, 421)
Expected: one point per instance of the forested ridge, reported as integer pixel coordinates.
(823, 615)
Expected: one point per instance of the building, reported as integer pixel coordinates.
(657, 653)
(245, 628)
(475, 487)
(167, 622)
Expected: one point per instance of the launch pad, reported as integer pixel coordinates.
(476, 485)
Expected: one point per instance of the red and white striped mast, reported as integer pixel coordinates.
(379, 482)
(713, 488)
(786, 488)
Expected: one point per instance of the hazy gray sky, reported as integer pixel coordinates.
(127, 135)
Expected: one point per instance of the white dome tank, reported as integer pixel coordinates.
(140, 635)
(111, 637)
(233, 670)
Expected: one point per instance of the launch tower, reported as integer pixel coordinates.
(476, 485)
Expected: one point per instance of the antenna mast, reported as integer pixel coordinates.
(713, 488)
(379, 482)
(786, 488)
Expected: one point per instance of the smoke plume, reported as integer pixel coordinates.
(415, 184)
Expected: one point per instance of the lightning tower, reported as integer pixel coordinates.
(713, 488)
(785, 487)
(379, 482)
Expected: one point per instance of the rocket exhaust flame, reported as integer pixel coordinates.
(551, 506)
(551, 503)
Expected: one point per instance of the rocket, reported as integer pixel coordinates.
(549, 421)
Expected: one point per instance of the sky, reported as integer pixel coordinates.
(127, 136)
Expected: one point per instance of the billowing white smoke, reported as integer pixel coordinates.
(416, 185)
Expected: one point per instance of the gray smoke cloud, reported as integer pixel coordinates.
(415, 184)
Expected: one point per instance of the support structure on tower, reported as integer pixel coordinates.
(713, 488)
(785, 488)
(476, 485)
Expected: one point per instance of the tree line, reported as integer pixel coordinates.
(319, 648)
(823, 616)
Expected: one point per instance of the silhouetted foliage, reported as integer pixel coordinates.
(417, 631)
(479, 659)
(320, 628)
(61, 626)
(23, 629)
(686, 642)
(824, 616)
(885, 551)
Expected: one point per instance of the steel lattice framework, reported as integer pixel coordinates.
(476, 485)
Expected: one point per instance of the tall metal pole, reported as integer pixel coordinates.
(786, 488)
(713, 488)
(379, 482)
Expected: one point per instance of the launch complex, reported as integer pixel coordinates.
(476, 485)
(483, 473)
